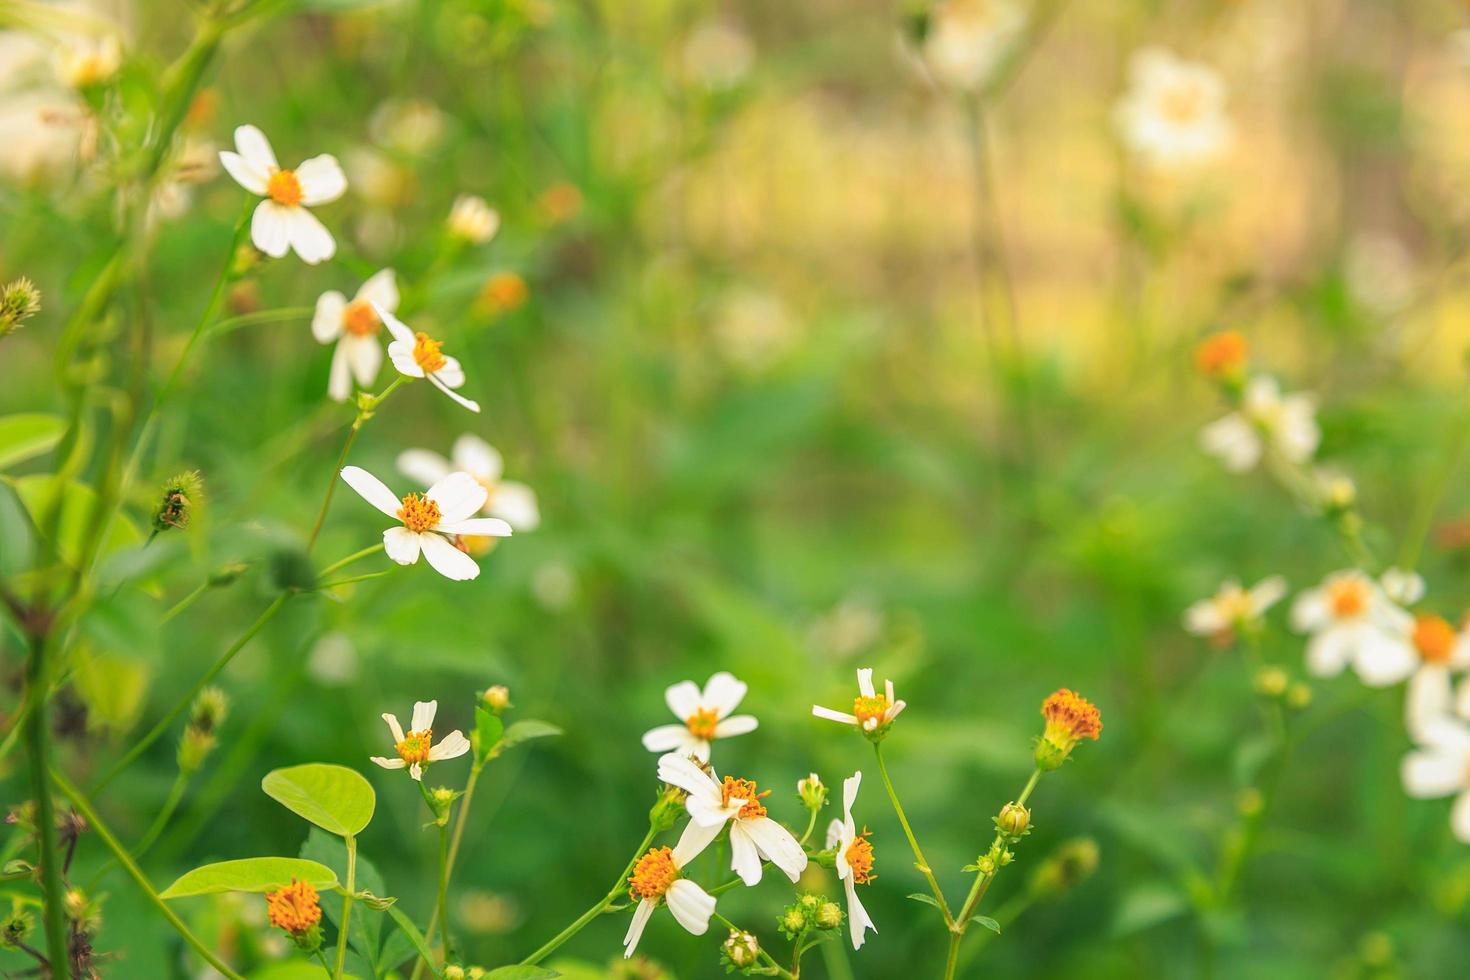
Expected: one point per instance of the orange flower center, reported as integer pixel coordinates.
(653, 874)
(474, 545)
(1183, 103)
(744, 789)
(869, 709)
(860, 858)
(419, 513)
(284, 188)
(1070, 717)
(415, 746)
(703, 722)
(293, 908)
(360, 320)
(1348, 598)
(426, 353)
(1434, 639)
(1222, 354)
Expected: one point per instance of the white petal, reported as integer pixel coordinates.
(256, 149)
(692, 906)
(683, 699)
(321, 179)
(849, 792)
(745, 859)
(309, 237)
(339, 374)
(834, 835)
(246, 174)
(388, 763)
(416, 771)
(1267, 593)
(402, 545)
(468, 403)
(452, 746)
(777, 843)
(692, 842)
(636, 927)
(477, 457)
(1310, 612)
(270, 228)
(1428, 773)
(865, 682)
(665, 738)
(372, 489)
(857, 917)
(709, 812)
(395, 326)
(1234, 441)
(1460, 817)
(1329, 651)
(400, 352)
(458, 495)
(1204, 618)
(515, 503)
(738, 725)
(364, 357)
(423, 467)
(1429, 697)
(380, 290)
(326, 324)
(393, 726)
(1383, 659)
(723, 693)
(423, 715)
(451, 373)
(484, 527)
(833, 715)
(448, 560)
(677, 770)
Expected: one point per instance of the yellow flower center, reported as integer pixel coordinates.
(415, 746)
(1434, 639)
(426, 353)
(860, 858)
(870, 709)
(703, 722)
(653, 874)
(360, 320)
(419, 513)
(744, 789)
(474, 545)
(1348, 598)
(284, 188)
(1183, 103)
(293, 908)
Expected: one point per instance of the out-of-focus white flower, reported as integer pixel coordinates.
(355, 327)
(1442, 652)
(705, 714)
(854, 860)
(657, 880)
(430, 519)
(473, 219)
(712, 803)
(282, 222)
(376, 178)
(1233, 608)
(196, 163)
(1352, 622)
(417, 355)
(753, 329)
(412, 126)
(1441, 767)
(554, 585)
(968, 39)
(871, 711)
(1379, 272)
(717, 54)
(84, 62)
(1173, 114)
(1335, 490)
(514, 503)
(333, 660)
(853, 626)
(1403, 587)
(417, 749)
(1267, 419)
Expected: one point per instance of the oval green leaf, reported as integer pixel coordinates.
(27, 436)
(524, 731)
(250, 875)
(521, 972)
(335, 798)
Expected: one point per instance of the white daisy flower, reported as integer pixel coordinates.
(854, 860)
(1442, 652)
(656, 879)
(712, 803)
(1233, 608)
(416, 749)
(1441, 767)
(355, 327)
(968, 39)
(514, 503)
(417, 355)
(472, 219)
(1174, 111)
(282, 221)
(1352, 622)
(430, 520)
(706, 717)
(1266, 420)
(871, 711)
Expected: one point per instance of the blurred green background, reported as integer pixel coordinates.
(752, 386)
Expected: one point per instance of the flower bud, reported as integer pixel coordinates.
(16, 928)
(812, 791)
(473, 220)
(792, 920)
(194, 747)
(986, 865)
(454, 972)
(83, 912)
(1298, 696)
(181, 496)
(829, 915)
(1071, 863)
(496, 698)
(1271, 681)
(295, 909)
(226, 574)
(669, 808)
(441, 800)
(1013, 820)
(209, 710)
(741, 949)
(1222, 357)
(19, 301)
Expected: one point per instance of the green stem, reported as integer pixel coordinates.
(919, 861)
(594, 911)
(459, 824)
(121, 854)
(364, 413)
(811, 824)
(38, 745)
(353, 578)
(355, 556)
(185, 602)
(279, 315)
(443, 905)
(346, 906)
(175, 796)
(179, 708)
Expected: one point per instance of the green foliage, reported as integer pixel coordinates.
(335, 798)
(28, 435)
(261, 874)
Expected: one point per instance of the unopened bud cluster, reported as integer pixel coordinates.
(740, 951)
(496, 698)
(807, 913)
(200, 736)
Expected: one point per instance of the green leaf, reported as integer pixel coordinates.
(521, 972)
(250, 875)
(365, 932)
(296, 970)
(488, 729)
(27, 436)
(987, 922)
(406, 926)
(335, 798)
(112, 687)
(77, 504)
(524, 731)
(926, 899)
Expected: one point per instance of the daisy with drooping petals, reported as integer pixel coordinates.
(430, 519)
(1233, 609)
(1351, 621)
(1442, 652)
(1440, 766)
(706, 717)
(417, 355)
(854, 853)
(416, 749)
(712, 803)
(355, 327)
(1267, 420)
(282, 221)
(1173, 114)
(656, 879)
(514, 503)
(871, 711)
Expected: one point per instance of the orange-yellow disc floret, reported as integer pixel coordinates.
(1070, 717)
(415, 746)
(1434, 638)
(744, 789)
(860, 858)
(426, 353)
(294, 907)
(1221, 355)
(284, 187)
(419, 513)
(868, 709)
(654, 873)
(360, 319)
(703, 722)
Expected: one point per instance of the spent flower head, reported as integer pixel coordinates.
(181, 496)
(19, 301)
(295, 909)
(741, 949)
(1070, 718)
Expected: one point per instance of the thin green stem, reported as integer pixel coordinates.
(443, 905)
(279, 315)
(459, 824)
(364, 412)
(38, 745)
(581, 921)
(346, 906)
(919, 860)
(175, 796)
(811, 824)
(354, 578)
(355, 556)
(185, 602)
(183, 703)
(121, 854)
